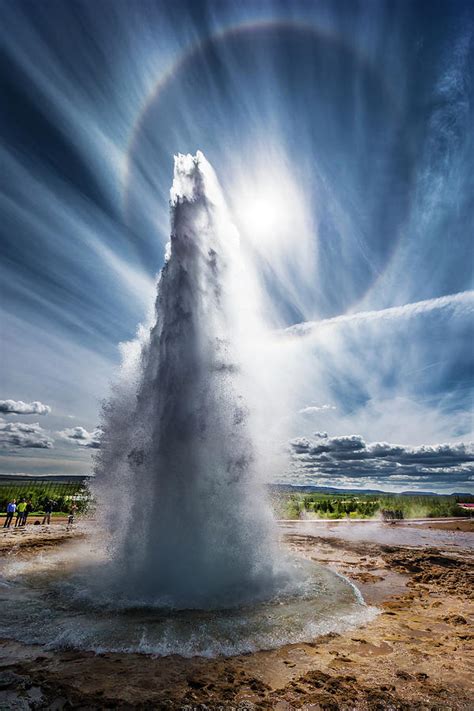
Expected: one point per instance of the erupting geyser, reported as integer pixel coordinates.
(191, 566)
(179, 443)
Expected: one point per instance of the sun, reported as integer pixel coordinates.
(262, 216)
(272, 211)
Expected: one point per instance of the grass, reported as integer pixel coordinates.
(365, 506)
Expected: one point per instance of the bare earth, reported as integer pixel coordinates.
(417, 654)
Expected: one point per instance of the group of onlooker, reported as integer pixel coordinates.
(22, 511)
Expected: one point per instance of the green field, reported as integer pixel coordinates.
(332, 506)
(290, 505)
(62, 494)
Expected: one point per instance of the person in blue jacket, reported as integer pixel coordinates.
(11, 509)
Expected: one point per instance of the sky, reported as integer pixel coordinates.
(341, 133)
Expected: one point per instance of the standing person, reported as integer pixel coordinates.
(47, 512)
(11, 508)
(26, 512)
(20, 510)
(72, 513)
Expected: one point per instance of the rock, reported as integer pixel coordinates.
(421, 676)
(455, 619)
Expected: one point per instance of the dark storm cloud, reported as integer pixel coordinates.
(25, 436)
(350, 456)
(347, 445)
(18, 407)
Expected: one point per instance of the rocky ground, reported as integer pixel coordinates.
(417, 654)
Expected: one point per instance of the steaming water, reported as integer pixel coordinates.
(409, 533)
(192, 564)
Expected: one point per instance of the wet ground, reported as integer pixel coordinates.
(445, 533)
(417, 654)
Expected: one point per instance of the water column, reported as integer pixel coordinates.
(179, 446)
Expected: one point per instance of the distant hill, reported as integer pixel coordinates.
(333, 490)
(322, 489)
(59, 478)
(289, 488)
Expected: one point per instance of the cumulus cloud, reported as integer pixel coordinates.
(22, 435)
(81, 437)
(350, 457)
(338, 445)
(18, 407)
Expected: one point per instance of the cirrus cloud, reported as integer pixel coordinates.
(311, 409)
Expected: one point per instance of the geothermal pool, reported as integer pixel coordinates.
(47, 601)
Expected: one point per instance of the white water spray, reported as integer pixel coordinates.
(181, 461)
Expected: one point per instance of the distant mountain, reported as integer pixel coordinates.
(432, 493)
(333, 490)
(421, 493)
(321, 489)
(289, 488)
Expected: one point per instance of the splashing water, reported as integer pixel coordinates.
(179, 445)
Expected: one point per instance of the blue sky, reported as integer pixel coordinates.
(341, 133)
